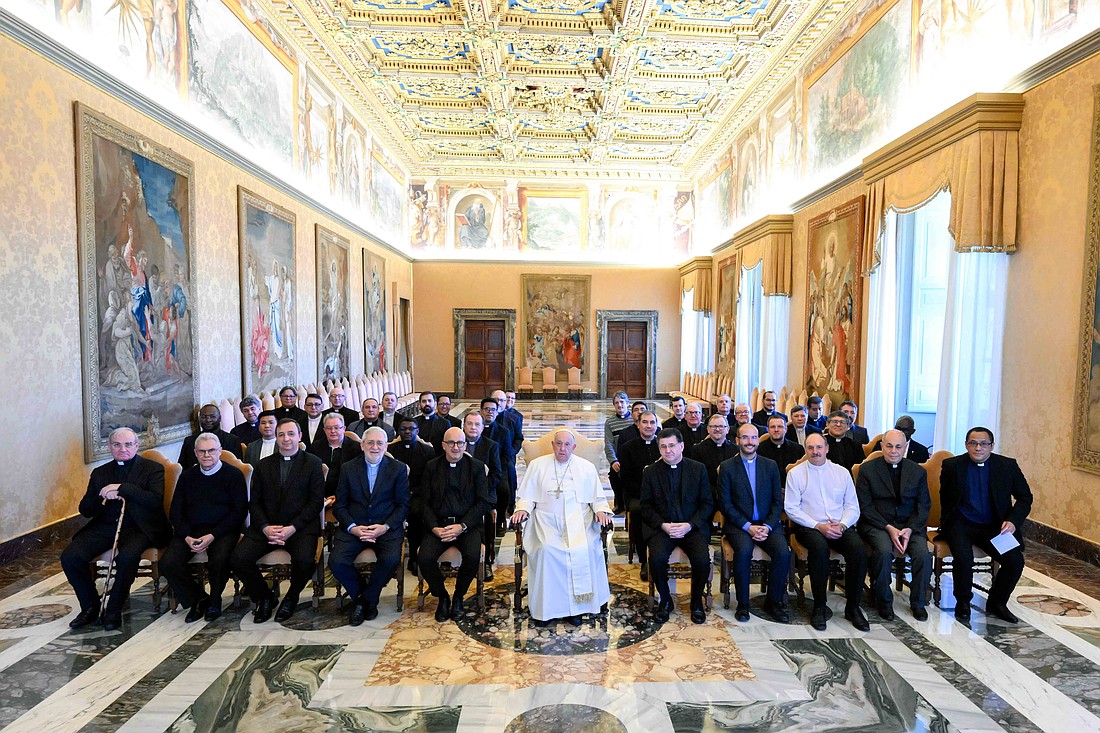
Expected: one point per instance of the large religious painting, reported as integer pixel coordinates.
(632, 223)
(834, 301)
(851, 100)
(683, 220)
(332, 304)
(136, 212)
(374, 312)
(418, 216)
(715, 200)
(1086, 432)
(554, 221)
(473, 221)
(556, 311)
(241, 76)
(269, 332)
(728, 272)
(387, 198)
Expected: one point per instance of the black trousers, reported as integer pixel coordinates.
(468, 544)
(415, 533)
(616, 487)
(881, 563)
(91, 541)
(637, 533)
(346, 547)
(302, 547)
(506, 491)
(776, 547)
(696, 545)
(174, 567)
(962, 535)
(850, 545)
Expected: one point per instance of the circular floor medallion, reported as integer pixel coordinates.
(34, 615)
(565, 719)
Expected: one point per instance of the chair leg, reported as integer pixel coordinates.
(419, 589)
(517, 598)
(725, 582)
(481, 582)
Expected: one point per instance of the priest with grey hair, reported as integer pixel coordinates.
(562, 497)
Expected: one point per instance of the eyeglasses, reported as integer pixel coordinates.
(454, 443)
(978, 443)
(207, 451)
(838, 421)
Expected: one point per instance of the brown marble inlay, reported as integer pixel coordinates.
(33, 615)
(1054, 605)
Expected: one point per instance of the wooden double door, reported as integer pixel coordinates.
(627, 344)
(484, 355)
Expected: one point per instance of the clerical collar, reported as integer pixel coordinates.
(781, 442)
(836, 439)
(648, 442)
(673, 465)
(370, 462)
(125, 463)
(980, 465)
(746, 459)
(895, 465)
(288, 458)
(452, 465)
(216, 467)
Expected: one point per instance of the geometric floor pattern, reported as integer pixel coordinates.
(495, 671)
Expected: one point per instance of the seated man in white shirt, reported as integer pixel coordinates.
(822, 505)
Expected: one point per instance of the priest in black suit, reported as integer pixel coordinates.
(334, 449)
(443, 409)
(676, 509)
(983, 495)
(337, 400)
(716, 448)
(210, 418)
(429, 424)
(775, 446)
(371, 418)
(799, 428)
(288, 406)
(761, 416)
(858, 433)
(414, 453)
(455, 499)
(916, 452)
(288, 493)
(500, 431)
(893, 520)
(678, 420)
(751, 499)
(696, 429)
(249, 430)
(843, 451)
(140, 482)
(487, 451)
(372, 501)
(634, 456)
(508, 453)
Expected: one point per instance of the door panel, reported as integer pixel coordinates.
(484, 355)
(627, 342)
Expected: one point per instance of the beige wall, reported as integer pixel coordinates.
(1044, 302)
(440, 287)
(44, 472)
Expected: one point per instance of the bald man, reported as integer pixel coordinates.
(337, 399)
(893, 520)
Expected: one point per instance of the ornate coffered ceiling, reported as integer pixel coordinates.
(634, 88)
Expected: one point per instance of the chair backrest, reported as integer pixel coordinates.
(574, 375)
(588, 449)
(524, 377)
(172, 473)
(933, 466)
(871, 444)
(549, 375)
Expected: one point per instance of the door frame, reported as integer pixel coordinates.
(602, 319)
(460, 316)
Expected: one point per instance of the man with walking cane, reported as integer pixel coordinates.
(125, 503)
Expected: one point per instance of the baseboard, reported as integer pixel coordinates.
(1064, 542)
(17, 547)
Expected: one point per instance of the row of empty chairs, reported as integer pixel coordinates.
(526, 388)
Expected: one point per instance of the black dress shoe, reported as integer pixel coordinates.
(263, 609)
(645, 573)
(575, 620)
(443, 610)
(214, 610)
(198, 610)
(411, 566)
(920, 613)
(818, 617)
(856, 618)
(664, 610)
(112, 620)
(886, 611)
(698, 615)
(456, 608)
(1001, 611)
(777, 611)
(84, 618)
(358, 614)
(742, 615)
(286, 609)
(962, 613)
(488, 573)
(371, 614)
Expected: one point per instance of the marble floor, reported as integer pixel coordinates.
(495, 671)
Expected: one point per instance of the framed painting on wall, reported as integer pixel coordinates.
(834, 297)
(332, 304)
(554, 221)
(387, 194)
(728, 271)
(1086, 403)
(374, 312)
(135, 218)
(556, 309)
(269, 333)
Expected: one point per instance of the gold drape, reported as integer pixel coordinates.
(770, 240)
(696, 276)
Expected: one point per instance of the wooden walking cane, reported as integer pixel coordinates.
(111, 562)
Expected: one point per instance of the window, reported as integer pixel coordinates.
(747, 355)
(697, 337)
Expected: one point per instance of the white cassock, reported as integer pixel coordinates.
(567, 574)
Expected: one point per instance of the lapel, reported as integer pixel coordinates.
(741, 475)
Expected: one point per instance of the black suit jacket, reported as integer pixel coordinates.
(1011, 496)
(389, 502)
(761, 417)
(819, 423)
(143, 491)
(844, 451)
(488, 452)
(454, 421)
(347, 413)
(294, 413)
(297, 502)
(514, 418)
(360, 427)
(735, 494)
(673, 422)
(918, 452)
(692, 437)
(633, 458)
(792, 434)
(349, 451)
(472, 501)
(502, 433)
(880, 506)
(252, 453)
(788, 452)
(432, 429)
(695, 503)
(858, 433)
(711, 455)
(230, 442)
(246, 432)
(627, 434)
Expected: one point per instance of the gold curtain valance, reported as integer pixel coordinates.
(770, 240)
(695, 275)
(972, 150)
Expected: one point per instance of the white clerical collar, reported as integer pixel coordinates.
(673, 465)
(452, 465)
(287, 458)
(648, 442)
(746, 459)
(216, 467)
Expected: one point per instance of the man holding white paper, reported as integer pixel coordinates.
(984, 499)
